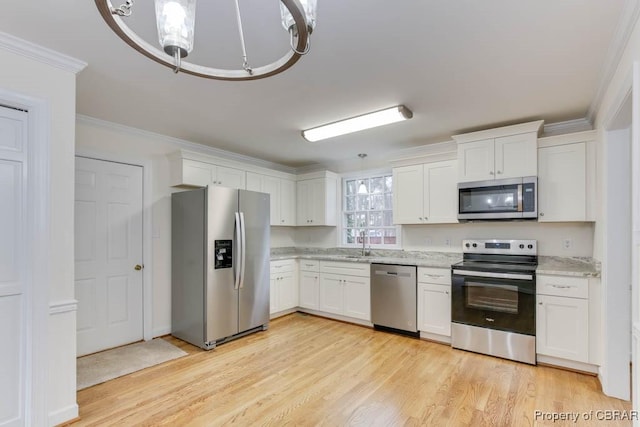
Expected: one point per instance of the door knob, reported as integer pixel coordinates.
(138, 267)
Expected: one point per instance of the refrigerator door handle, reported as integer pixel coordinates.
(243, 238)
(237, 264)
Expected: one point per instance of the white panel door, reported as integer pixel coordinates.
(357, 297)
(13, 134)
(441, 192)
(229, 177)
(408, 195)
(271, 186)
(331, 293)
(476, 161)
(434, 308)
(562, 327)
(309, 289)
(287, 202)
(108, 249)
(516, 156)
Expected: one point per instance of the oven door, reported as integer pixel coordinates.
(502, 301)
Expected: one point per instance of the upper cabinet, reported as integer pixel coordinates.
(507, 152)
(316, 199)
(193, 173)
(282, 192)
(425, 193)
(566, 170)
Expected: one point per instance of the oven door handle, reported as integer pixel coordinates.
(513, 276)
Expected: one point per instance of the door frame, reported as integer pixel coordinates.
(37, 250)
(147, 241)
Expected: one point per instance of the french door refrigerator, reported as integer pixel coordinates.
(219, 264)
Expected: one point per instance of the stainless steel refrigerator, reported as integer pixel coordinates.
(219, 264)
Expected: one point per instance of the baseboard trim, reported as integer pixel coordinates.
(335, 317)
(160, 332)
(435, 337)
(571, 365)
(64, 415)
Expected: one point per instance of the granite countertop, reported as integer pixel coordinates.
(564, 266)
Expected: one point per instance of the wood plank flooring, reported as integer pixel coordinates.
(308, 370)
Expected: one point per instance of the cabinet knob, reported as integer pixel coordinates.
(420, 218)
(541, 213)
(499, 172)
(540, 303)
(490, 172)
(425, 218)
(282, 220)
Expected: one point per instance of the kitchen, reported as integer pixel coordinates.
(125, 141)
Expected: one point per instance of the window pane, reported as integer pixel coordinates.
(361, 219)
(390, 236)
(377, 203)
(388, 218)
(350, 236)
(375, 219)
(363, 186)
(388, 184)
(350, 220)
(377, 185)
(360, 234)
(388, 201)
(351, 187)
(350, 203)
(362, 203)
(375, 236)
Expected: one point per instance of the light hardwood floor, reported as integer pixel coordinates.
(307, 370)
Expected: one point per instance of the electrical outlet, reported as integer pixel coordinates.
(428, 241)
(566, 243)
(447, 242)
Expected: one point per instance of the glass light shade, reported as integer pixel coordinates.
(176, 23)
(309, 7)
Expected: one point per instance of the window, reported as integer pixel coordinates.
(367, 211)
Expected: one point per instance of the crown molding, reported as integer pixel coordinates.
(182, 144)
(569, 126)
(624, 29)
(41, 54)
(535, 126)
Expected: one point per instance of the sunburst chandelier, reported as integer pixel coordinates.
(175, 20)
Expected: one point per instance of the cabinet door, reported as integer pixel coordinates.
(302, 203)
(516, 156)
(229, 177)
(271, 186)
(197, 173)
(316, 203)
(273, 294)
(408, 195)
(434, 308)
(562, 183)
(254, 181)
(287, 291)
(476, 161)
(309, 290)
(441, 192)
(562, 327)
(287, 202)
(357, 297)
(331, 291)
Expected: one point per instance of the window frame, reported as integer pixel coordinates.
(342, 226)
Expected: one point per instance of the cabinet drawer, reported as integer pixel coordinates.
(346, 268)
(283, 265)
(440, 276)
(309, 265)
(575, 287)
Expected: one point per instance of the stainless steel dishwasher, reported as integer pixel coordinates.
(394, 298)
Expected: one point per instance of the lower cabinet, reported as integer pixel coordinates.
(344, 289)
(309, 289)
(567, 318)
(434, 308)
(434, 302)
(283, 286)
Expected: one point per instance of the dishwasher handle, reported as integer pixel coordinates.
(391, 273)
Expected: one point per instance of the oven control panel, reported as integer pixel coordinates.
(502, 247)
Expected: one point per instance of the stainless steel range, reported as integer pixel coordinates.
(493, 296)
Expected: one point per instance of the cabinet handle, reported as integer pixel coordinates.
(282, 220)
(499, 172)
(435, 276)
(420, 218)
(491, 173)
(561, 286)
(425, 218)
(446, 292)
(540, 303)
(541, 213)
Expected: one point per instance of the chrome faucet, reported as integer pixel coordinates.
(364, 251)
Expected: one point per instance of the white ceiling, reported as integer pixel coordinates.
(458, 65)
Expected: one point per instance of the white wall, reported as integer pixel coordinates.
(57, 88)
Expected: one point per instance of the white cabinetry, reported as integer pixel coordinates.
(284, 287)
(425, 193)
(282, 196)
(507, 152)
(434, 303)
(309, 289)
(192, 173)
(345, 289)
(567, 319)
(565, 178)
(316, 200)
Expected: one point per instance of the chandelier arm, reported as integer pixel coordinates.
(245, 61)
(293, 48)
(118, 26)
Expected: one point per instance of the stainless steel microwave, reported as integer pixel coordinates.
(514, 198)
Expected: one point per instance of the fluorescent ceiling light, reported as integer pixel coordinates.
(366, 121)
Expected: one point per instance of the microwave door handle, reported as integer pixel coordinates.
(519, 197)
